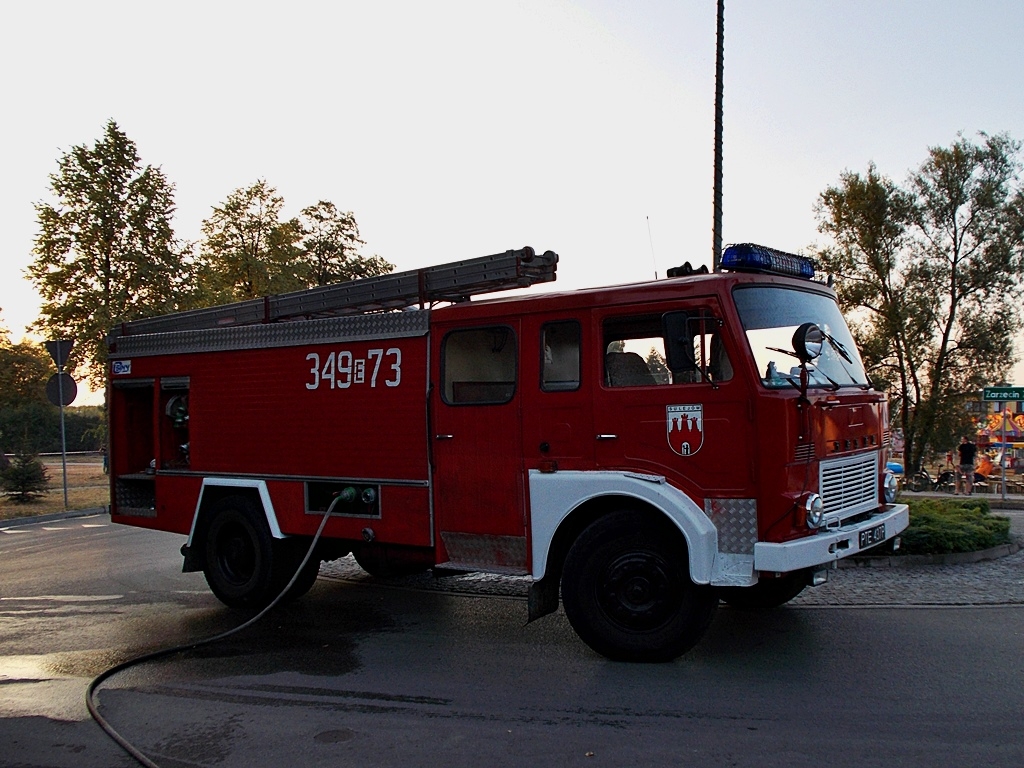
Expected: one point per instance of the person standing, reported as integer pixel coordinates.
(967, 450)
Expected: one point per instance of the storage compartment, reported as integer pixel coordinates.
(131, 427)
(135, 495)
(173, 421)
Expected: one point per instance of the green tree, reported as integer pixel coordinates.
(27, 420)
(105, 251)
(26, 479)
(248, 251)
(330, 246)
(24, 370)
(929, 275)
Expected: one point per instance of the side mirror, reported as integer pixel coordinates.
(678, 342)
(807, 342)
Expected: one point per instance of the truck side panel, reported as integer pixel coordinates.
(309, 419)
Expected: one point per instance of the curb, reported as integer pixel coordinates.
(15, 522)
(995, 500)
(952, 558)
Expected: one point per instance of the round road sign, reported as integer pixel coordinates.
(61, 384)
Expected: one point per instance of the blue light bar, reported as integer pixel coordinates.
(748, 257)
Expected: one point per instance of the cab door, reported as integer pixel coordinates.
(477, 446)
(557, 384)
(691, 421)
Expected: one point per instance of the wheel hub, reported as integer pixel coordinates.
(638, 591)
(237, 555)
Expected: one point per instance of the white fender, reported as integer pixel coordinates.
(236, 482)
(554, 495)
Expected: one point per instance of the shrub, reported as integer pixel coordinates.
(941, 526)
(26, 479)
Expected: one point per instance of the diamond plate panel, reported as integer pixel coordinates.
(736, 521)
(386, 325)
(506, 554)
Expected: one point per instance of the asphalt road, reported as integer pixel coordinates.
(367, 673)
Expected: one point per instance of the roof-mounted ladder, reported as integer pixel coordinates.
(452, 282)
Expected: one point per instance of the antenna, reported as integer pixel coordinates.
(651, 239)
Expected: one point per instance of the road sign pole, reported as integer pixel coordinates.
(59, 350)
(63, 438)
(1003, 396)
(1002, 456)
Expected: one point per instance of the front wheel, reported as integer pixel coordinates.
(767, 593)
(918, 483)
(627, 591)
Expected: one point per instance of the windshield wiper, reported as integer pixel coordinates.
(841, 351)
(838, 347)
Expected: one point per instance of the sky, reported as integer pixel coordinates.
(460, 128)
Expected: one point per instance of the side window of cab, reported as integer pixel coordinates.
(560, 361)
(478, 366)
(670, 348)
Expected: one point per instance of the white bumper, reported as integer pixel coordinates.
(829, 545)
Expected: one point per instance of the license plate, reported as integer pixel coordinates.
(872, 536)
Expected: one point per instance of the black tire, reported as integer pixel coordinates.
(627, 591)
(244, 565)
(292, 552)
(766, 594)
(918, 483)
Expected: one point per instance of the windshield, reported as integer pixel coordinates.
(770, 315)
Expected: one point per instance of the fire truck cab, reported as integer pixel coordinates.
(641, 451)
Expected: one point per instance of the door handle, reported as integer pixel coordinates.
(443, 437)
(607, 437)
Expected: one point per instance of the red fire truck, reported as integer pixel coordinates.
(640, 451)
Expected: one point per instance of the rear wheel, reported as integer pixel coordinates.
(627, 591)
(244, 565)
(292, 553)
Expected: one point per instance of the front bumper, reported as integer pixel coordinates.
(828, 545)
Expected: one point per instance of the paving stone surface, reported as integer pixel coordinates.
(990, 582)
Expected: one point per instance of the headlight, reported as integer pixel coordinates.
(815, 509)
(889, 487)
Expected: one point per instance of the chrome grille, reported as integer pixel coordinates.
(849, 485)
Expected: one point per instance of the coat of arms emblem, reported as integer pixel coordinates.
(684, 428)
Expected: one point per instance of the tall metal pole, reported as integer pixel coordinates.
(59, 350)
(63, 434)
(719, 70)
(1002, 455)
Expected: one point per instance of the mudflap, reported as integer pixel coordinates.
(542, 599)
(193, 560)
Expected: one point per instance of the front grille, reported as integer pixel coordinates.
(849, 485)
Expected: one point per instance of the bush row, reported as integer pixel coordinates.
(943, 526)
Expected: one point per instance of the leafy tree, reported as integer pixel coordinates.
(330, 246)
(248, 251)
(24, 370)
(929, 274)
(105, 251)
(25, 413)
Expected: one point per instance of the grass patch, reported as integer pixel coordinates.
(88, 488)
(944, 526)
